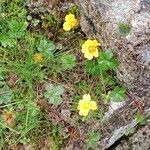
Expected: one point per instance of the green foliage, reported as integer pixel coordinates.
(109, 80)
(93, 138)
(106, 61)
(130, 131)
(75, 10)
(29, 17)
(124, 29)
(51, 20)
(36, 22)
(2, 76)
(53, 94)
(56, 130)
(6, 94)
(140, 119)
(33, 115)
(81, 42)
(17, 29)
(67, 62)
(18, 43)
(47, 47)
(5, 40)
(92, 68)
(118, 94)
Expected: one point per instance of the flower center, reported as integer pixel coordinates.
(92, 49)
(86, 106)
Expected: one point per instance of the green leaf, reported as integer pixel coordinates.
(68, 62)
(130, 131)
(124, 29)
(118, 94)
(17, 29)
(33, 114)
(53, 94)
(93, 138)
(16, 26)
(140, 119)
(6, 95)
(46, 47)
(29, 17)
(36, 22)
(2, 77)
(92, 68)
(106, 61)
(5, 40)
(109, 80)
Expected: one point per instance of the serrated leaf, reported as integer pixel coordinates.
(140, 119)
(106, 61)
(118, 94)
(93, 138)
(92, 68)
(68, 62)
(53, 94)
(46, 47)
(109, 80)
(130, 131)
(6, 94)
(106, 55)
(17, 29)
(2, 77)
(16, 26)
(5, 40)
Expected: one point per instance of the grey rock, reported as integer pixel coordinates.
(101, 19)
(139, 141)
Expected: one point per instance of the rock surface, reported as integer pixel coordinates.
(139, 141)
(101, 19)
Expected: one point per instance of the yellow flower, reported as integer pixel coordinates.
(90, 49)
(70, 22)
(85, 105)
(38, 57)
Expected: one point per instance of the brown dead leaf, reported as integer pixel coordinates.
(9, 118)
(43, 104)
(55, 118)
(12, 79)
(65, 114)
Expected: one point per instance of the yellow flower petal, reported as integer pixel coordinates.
(66, 26)
(95, 54)
(81, 104)
(73, 23)
(38, 57)
(95, 43)
(70, 22)
(83, 112)
(84, 104)
(84, 48)
(69, 17)
(87, 97)
(89, 48)
(89, 41)
(93, 105)
(88, 56)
